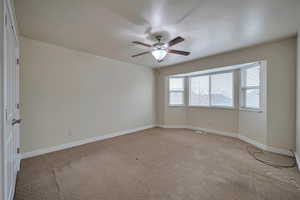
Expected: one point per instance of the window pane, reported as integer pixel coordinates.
(176, 98)
(252, 98)
(199, 91)
(222, 89)
(252, 76)
(176, 84)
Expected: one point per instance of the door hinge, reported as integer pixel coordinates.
(18, 61)
(18, 106)
(5, 20)
(18, 150)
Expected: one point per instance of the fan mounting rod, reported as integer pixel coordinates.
(158, 37)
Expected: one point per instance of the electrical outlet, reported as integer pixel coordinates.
(69, 133)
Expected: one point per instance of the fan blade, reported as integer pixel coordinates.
(141, 43)
(184, 53)
(175, 41)
(140, 54)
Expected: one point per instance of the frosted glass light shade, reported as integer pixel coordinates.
(159, 54)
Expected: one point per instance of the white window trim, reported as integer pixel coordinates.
(189, 91)
(233, 107)
(181, 91)
(243, 106)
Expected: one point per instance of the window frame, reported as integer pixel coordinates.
(189, 90)
(244, 88)
(210, 99)
(179, 91)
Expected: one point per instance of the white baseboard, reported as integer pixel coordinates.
(81, 142)
(279, 151)
(214, 131)
(111, 135)
(200, 129)
(253, 142)
(265, 147)
(297, 160)
(172, 126)
(235, 135)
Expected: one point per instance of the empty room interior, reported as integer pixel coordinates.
(150, 100)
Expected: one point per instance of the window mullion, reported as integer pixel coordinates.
(176, 90)
(209, 91)
(250, 87)
(186, 91)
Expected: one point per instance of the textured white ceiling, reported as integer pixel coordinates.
(107, 27)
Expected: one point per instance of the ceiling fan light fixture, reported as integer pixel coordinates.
(159, 54)
(160, 50)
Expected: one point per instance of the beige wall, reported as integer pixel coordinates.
(1, 97)
(69, 95)
(281, 82)
(215, 119)
(298, 91)
(298, 95)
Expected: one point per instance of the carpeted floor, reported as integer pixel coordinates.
(156, 164)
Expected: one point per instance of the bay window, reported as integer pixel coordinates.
(217, 88)
(212, 90)
(251, 87)
(176, 91)
(199, 91)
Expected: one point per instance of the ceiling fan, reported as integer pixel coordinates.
(159, 50)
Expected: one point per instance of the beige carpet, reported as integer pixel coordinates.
(156, 164)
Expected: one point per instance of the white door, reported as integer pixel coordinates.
(11, 107)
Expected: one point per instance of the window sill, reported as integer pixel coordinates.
(177, 106)
(213, 107)
(251, 110)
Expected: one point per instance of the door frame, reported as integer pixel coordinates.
(7, 9)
